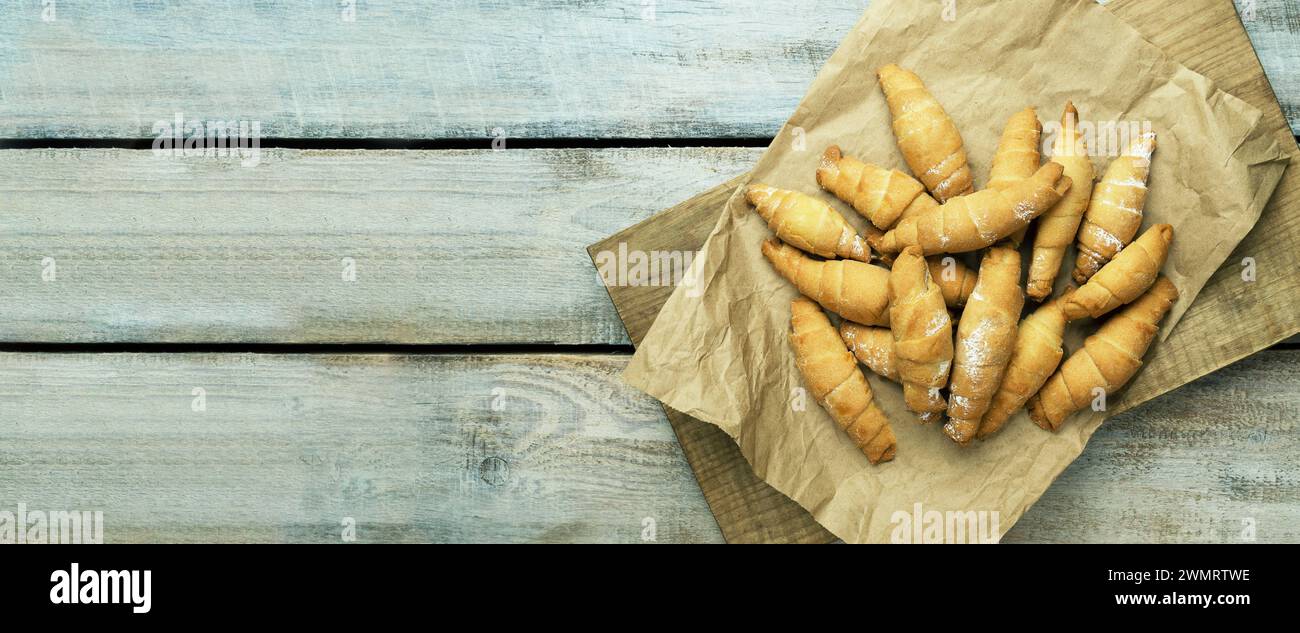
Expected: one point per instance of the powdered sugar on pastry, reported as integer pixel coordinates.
(939, 321)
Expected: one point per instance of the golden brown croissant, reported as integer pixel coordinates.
(854, 290)
(807, 223)
(985, 336)
(1124, 278)
(1115, 211)
(1017, 156)
(980, 219)
(1058, 226)
(955, 280)
(1108, 360)
(1037, 353)
(922, 333)
(880, 195)
(926, 135)
(875, 237)
(873, 347)
(836, 382)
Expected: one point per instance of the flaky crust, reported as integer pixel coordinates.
(985, 337)
(955, 280)
(922, 331)
(1115, 211)
(1017, 156)
(1124, 278)
(1059, 224)
(873, 347)
(880, 195)
(836, 382)
(854, 290)
(927, 137)
(1108, 360)
(1036, 354)
(980, 219)
(807, 223)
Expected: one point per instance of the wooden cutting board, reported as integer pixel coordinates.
(1230, 320)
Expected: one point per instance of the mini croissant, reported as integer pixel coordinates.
(1115, 210)
(833, 377)
(926, 135)
(922, 332)
(880, 195)
(980, 219)
(1107, 361)
(807, 223)
(854, 290)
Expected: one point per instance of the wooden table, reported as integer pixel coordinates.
(390, 321)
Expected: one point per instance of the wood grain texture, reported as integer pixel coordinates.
(1274, 29)
(411, 69)
(1262, 312)
(549, 448)
(449, 247)
(1200, 464)
(413, 450)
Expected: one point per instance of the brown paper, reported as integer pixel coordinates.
(720, 353)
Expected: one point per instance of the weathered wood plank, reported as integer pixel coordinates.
(412, 448)
(548, 448)
(1274, 29)
(409, 69)
(448, 247)
(1199, 464)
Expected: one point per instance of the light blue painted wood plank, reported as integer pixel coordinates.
(1274, 29)
(551, 448)
(463, 69)
(473, 246)
(408, 69)
(542, 448)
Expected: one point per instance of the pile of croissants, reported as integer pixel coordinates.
(895, 314)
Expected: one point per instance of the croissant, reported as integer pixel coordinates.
(1058, 226)
(854, 290)
(922, 333)
(836, 382)
(1017, 156)
(807, 223)
(955, 280)
(1036, 354)
(980, 219)
(880, 195)
(926, 135)
(1115, 211)
(1108, 359)
(875, 237)
(985, 336)
(1124, 278)
(873, 347)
